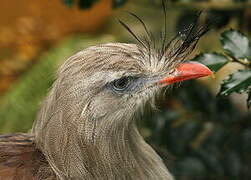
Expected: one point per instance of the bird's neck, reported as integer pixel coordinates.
(77, 152)
(124, 155)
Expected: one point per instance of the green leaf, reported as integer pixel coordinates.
(213, 61)
(236, 44)
(238, 82)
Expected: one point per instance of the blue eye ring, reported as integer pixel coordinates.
(122, 84)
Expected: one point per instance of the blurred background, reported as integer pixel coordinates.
(198, 134)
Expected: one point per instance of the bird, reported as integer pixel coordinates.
(86, 127)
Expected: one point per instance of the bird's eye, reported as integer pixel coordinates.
(121, 84)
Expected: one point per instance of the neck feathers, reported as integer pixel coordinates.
(79, 145)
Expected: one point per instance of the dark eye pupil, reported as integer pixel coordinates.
(122, 83)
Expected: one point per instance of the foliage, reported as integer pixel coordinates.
(214, 61)
(219, 13)
(237, 48)
(236, 45)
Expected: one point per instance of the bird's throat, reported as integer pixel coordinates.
(124, 155)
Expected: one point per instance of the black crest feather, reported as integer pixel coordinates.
(176, 49)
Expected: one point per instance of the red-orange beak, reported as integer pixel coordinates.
(185, 71)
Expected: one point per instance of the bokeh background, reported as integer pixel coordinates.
(198, 134)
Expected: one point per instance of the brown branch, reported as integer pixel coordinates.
(248, 64)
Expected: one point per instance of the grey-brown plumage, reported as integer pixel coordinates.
(21, 160)
(86, 126)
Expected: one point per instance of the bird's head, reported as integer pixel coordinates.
(117, 79)
(107, 84)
